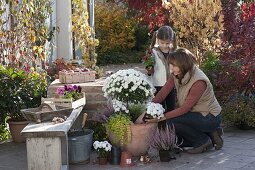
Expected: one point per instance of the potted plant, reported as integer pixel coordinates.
(68, 96)
(124, 89)
(20, 90)
(165, 141)
(239, 110)
(118, 129)
(154, 110)
(149, 61)
(103, 148)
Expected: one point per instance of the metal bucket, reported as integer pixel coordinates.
(79, 146)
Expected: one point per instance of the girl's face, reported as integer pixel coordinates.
(165, 45)
(174, 69)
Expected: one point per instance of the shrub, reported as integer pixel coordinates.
(118, 57)
(237, 57)
(239, 111)
(198, 24)
(20, 90)
(150, 12)
(211, 66)
(114, 30)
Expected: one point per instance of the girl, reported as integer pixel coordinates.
(163, 42)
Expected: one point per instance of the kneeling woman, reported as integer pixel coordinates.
(197, 115)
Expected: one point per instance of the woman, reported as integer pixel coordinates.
(197, 115)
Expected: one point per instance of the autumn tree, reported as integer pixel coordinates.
(198, 24)
(149, 12)
(238, 55)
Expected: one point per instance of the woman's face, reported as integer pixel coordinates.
(174, 69)
(165, 45)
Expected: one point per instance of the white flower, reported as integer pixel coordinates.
(128, 86)
(102, 146)
(156, 110)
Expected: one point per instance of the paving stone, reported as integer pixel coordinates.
(238, 153)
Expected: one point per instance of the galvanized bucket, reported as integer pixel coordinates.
(79, 146)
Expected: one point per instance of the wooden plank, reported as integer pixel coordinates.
(49, 129)
(44, 153)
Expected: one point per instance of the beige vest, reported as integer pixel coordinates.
(207, 103)
(161, 69)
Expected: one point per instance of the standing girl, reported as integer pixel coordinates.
(163, 43)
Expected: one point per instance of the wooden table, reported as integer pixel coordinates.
(47, 143)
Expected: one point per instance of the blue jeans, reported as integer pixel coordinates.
(194, 128)
(169, 102)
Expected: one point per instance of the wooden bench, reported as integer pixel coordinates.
(47, 143)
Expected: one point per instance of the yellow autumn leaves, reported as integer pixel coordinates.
(198, 24)
(114, 29)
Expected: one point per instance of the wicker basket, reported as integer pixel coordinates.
(46, 112)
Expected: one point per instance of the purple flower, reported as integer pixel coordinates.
(79, 89)
(60, 91)
(75, 87)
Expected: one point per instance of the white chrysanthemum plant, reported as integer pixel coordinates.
(154, 110)
(127, 87)
(102, 148)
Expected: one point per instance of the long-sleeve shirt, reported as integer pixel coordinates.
(196, 91)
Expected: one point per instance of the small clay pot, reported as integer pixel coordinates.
(150, 70)
(126, 159)
(102, 160)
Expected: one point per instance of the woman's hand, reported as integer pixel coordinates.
(139, 120)
(154, 120)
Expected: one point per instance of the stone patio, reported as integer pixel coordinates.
(238, 153)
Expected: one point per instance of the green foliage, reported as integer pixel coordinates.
(239, 110)
(4, 133)
(211, 66)
(99, 130)
(118, 126)
(149, 61)
(20, 89)
(118, 57)
(135, 111)
(142, 37)
(113, 29)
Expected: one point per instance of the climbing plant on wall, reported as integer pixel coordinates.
(24, 32)
(83, 33)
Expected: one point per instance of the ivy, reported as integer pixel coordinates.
(83, 33)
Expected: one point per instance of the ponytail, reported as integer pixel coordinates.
(153, 40)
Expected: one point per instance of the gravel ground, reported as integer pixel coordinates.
(114, 68)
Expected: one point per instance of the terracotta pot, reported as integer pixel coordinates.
(140, 134)
(16, 128)
(102, 160)
(150, 70)
(126, 159)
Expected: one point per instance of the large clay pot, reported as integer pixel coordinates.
(140, 136)
(16, 128)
